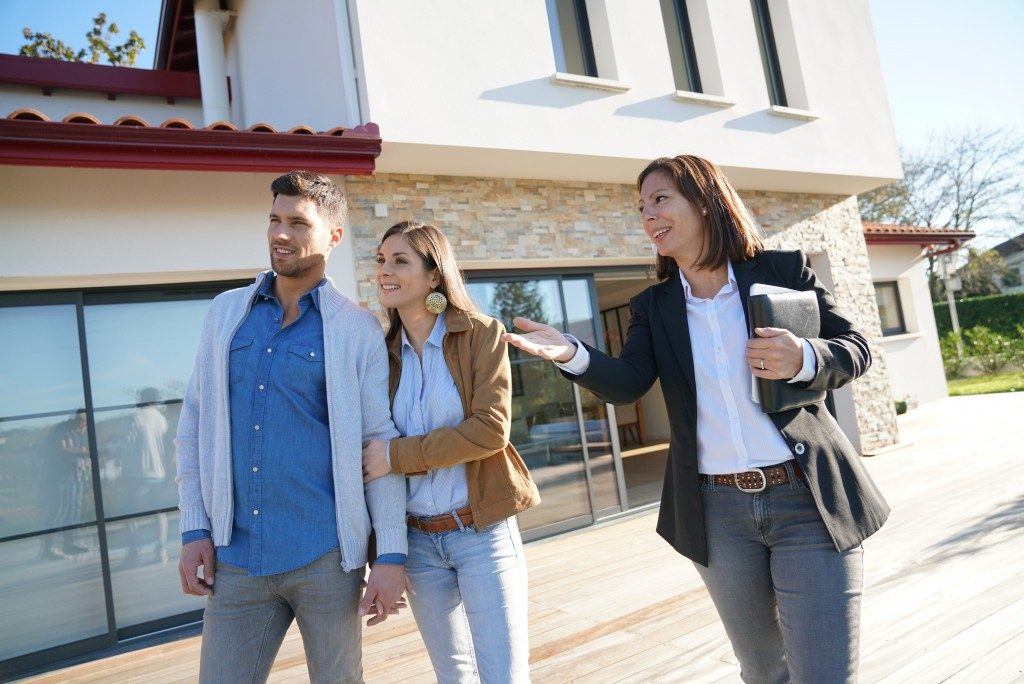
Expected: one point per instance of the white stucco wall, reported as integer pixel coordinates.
(914, 360)
(464, 88)
(69, 228)
(289, 65)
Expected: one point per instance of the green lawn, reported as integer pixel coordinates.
(987, 384)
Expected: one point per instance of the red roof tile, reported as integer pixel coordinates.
(28, 137)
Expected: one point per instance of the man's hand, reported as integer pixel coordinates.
(193, 555)
(375, 460)
(383, 594)
(775, 354)
(541, 340)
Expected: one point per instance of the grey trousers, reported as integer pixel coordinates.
(789, 601)
(246, 619)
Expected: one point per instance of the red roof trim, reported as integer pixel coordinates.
(892, 234)
(52, 73)
(47, 143)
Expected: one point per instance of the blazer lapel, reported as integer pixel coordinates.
(671, 302)
(746, 275)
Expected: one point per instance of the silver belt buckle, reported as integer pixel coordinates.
(764, 482)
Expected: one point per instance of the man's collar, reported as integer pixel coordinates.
(266, 289)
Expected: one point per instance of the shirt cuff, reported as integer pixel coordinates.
(810, 367)
(194, 535)
(390, 559)
(579, 363)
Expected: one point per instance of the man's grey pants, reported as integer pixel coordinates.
(246, 619)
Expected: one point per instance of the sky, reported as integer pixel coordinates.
(69, 20)
(951, 64)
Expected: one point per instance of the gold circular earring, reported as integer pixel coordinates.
(436, 302)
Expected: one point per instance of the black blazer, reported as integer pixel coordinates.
(658, 347)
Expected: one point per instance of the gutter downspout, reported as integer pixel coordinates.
(213, 81)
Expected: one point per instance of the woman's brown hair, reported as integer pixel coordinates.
(436, 252)
(730, 234)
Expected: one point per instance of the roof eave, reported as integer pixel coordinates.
(45, 143)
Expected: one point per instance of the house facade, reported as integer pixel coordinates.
(898, 256)
(518, 128)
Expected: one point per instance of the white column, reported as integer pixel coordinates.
(212, 73)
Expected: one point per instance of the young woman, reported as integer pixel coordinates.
(451, 400)
(772, 508)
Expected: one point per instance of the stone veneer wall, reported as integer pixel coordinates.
(489, 218)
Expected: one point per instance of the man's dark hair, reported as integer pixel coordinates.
(318, 189)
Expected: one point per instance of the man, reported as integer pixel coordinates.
(289, 382)
(143, 473)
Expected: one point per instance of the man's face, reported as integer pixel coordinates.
(299, 238)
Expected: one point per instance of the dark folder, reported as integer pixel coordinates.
(797, 312)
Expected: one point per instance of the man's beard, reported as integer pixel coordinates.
(294, 268)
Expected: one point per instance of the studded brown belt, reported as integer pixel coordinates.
(756, 479)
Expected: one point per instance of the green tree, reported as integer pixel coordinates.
(100, 40)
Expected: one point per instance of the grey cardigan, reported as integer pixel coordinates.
(356, 366)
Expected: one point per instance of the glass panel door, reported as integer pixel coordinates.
(560, 430)
(140, 359)
(51, 579)
(600, 440)
(545, 430)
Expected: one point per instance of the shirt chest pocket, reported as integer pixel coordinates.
(238, 358)
(304, 366)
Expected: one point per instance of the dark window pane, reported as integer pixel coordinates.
(889, 309)
(680, 45)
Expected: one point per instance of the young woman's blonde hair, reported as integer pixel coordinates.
(730, 234)
(435, 252)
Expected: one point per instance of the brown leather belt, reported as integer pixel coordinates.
(441, 523)
(756, 479)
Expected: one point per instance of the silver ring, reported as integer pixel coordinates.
(762, 364)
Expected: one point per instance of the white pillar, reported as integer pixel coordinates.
(213, 79)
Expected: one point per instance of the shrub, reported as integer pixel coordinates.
(1000, 313)
(952, 361)
(990, 349)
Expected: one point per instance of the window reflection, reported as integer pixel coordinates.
(49, 601)
(40, 359)
(144, 569)
(45, 476)
(142, 345)
(136, 455)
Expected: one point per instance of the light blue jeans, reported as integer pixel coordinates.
(789, 601)
(246, 619)
(470, 602)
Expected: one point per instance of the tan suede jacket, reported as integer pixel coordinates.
(499, 482)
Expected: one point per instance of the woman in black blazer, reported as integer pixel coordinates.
(772, 508)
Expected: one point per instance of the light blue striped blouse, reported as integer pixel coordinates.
(427, 399)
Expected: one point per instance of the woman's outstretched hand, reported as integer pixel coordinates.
(541, 340)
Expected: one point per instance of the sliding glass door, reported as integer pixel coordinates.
(561, 431)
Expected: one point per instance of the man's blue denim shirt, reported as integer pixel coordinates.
(284, 511)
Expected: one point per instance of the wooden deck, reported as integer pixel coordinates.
(944, 597)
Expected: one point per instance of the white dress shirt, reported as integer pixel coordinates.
(733, 435)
